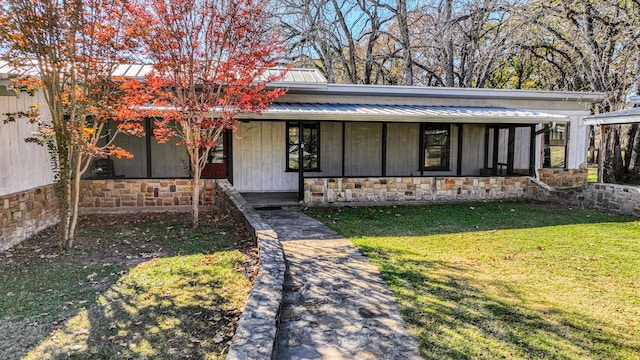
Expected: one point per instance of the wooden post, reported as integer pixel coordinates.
(300, 161)
(601, 155)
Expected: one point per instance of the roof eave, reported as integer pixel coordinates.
(403, 118)
(612, 120)
(452, 93)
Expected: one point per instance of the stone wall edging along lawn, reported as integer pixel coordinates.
(25, 213)
(623, 199)
(256, 334)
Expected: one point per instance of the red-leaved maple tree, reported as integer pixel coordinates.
(210, 59)
(68, 49)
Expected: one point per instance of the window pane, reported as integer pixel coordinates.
(293, 134)
(216, 155)
(555, 147)
(436, 147)
(311, 140)
(293, 157)
(557, 156)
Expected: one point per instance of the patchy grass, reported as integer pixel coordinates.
(592, 175)
(503, 280)
(134, 286)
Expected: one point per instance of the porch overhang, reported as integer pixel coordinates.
(628, 116)
(402, 113)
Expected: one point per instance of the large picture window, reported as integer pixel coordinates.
(311, 151)
(555, 147)
(436, 146)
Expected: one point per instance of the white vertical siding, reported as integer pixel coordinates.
(363, 149)
(168, 160)
(521, 151)
(136, 167)
(259, 158)
(23, 165)
(578, 142)
(330, 150)
(473, 148)
(403, 149)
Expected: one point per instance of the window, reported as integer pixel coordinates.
(311, 142)
(435, 143)
(555, 147)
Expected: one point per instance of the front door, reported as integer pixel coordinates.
(216, 166)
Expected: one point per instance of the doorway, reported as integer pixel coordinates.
(217, 164)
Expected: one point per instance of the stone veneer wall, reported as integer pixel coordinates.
(434, 189)
(257, 330)
(623, 199)
(114, 195)
(25, 213)
(564, 178)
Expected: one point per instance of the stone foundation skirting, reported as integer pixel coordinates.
(622, 199)
(122, 195)
(405, 189)
(257, 329)
(25, 213)
(564, 178)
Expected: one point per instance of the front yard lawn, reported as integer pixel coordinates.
(506, 280)
(143, 286)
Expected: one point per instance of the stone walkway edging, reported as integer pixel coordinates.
(256, 334)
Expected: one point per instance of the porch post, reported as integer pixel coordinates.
(344, 136)
(496, 140)
(300, 161)
(532, 152)
(149, 133)
(383, 171)
(421, 146)
(601, 154)
(459, 158)
(511, 149)
(486, 147)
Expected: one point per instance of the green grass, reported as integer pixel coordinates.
(592, 175)
(141, 286)
(501, 280)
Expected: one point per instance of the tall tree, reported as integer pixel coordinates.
(211, 59)
(594, 46)
(69, 50)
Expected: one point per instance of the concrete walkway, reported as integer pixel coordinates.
(336, 305)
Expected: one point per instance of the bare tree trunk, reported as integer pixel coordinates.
(407, 66)
(75, 200)
(195, 196)
(448, 44)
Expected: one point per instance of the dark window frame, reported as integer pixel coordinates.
(312, 126)
(551, 142)
(445, 159)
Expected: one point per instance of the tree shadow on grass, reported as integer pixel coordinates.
(132, 321)
(49, 296)
(457, 316)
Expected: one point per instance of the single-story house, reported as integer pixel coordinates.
(359, 140)
(324, 143)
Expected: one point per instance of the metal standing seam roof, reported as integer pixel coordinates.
(294, 76)
(402, 113)
(627, 116)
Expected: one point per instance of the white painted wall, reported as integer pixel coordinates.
(473, 148)
(578, 142)
(23, 165)
(259, 158)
